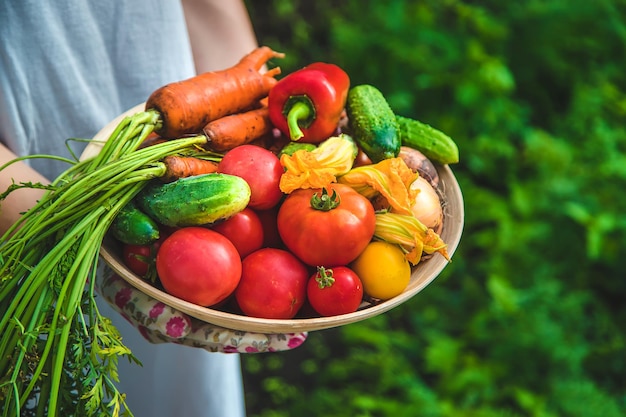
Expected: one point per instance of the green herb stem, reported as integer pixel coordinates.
(46, 261)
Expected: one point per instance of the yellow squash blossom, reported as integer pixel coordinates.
(408, 232)
(391, 177)
(320, 167)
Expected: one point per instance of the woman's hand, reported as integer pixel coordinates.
(18, 201)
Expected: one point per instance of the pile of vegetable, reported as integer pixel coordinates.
(291, 223)
(233, 190)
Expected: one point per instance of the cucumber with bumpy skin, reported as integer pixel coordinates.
(133, 226)
(372, 123)
(434, 144)
(195, 201)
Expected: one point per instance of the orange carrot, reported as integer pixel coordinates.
(189, 105)
(186, 166)
(230, 131)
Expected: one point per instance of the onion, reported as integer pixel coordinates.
(427, 208)
(418, 162)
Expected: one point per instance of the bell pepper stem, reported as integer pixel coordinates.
(299, 111)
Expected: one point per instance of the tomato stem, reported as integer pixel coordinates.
(324, 277)
(325, 202)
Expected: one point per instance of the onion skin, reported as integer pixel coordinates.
(427, 208)
(418, 162)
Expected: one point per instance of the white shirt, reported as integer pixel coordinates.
(66, 69)
(69, 67)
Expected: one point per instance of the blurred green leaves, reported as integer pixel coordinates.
(529, 319)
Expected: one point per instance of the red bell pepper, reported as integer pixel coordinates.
(307, 104)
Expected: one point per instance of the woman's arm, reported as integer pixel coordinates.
(220, 32)
(20, 200)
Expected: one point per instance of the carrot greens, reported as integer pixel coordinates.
(58, 354)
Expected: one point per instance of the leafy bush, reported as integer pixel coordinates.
(528, 320)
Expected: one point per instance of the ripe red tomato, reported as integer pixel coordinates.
(260, 168)
(273, 284)
(334, 291)
(271, 238)
(326, 237)
(361, 159)
(244, 230)
(140, 259)
(198, 265)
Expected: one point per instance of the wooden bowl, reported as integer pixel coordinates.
(423, 274)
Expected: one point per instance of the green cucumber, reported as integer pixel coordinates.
(195, 201)
(434, 144)
(372, 123)
(133, 226)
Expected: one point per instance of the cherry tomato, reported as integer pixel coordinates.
(140, 259)
(244, 230)
(383, 269)
(326, 237)
(271, 237)
(273, 284)
(361, 159)
(198, 265)
(260, 168)
(334, 291)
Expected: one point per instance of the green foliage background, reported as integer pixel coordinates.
(529, 319)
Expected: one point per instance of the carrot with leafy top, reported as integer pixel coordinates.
(230, 131)
(186, 166)
(189, 105)
(151, 139)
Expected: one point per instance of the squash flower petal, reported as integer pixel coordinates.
(391, 177)
(410, 234)
(320, 167)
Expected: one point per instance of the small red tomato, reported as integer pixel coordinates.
(361, 159)
(140, 259)
(198, 265)
(273, 284)
(334, 291)
(260, 168)
(271, 237)
(244, 229)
